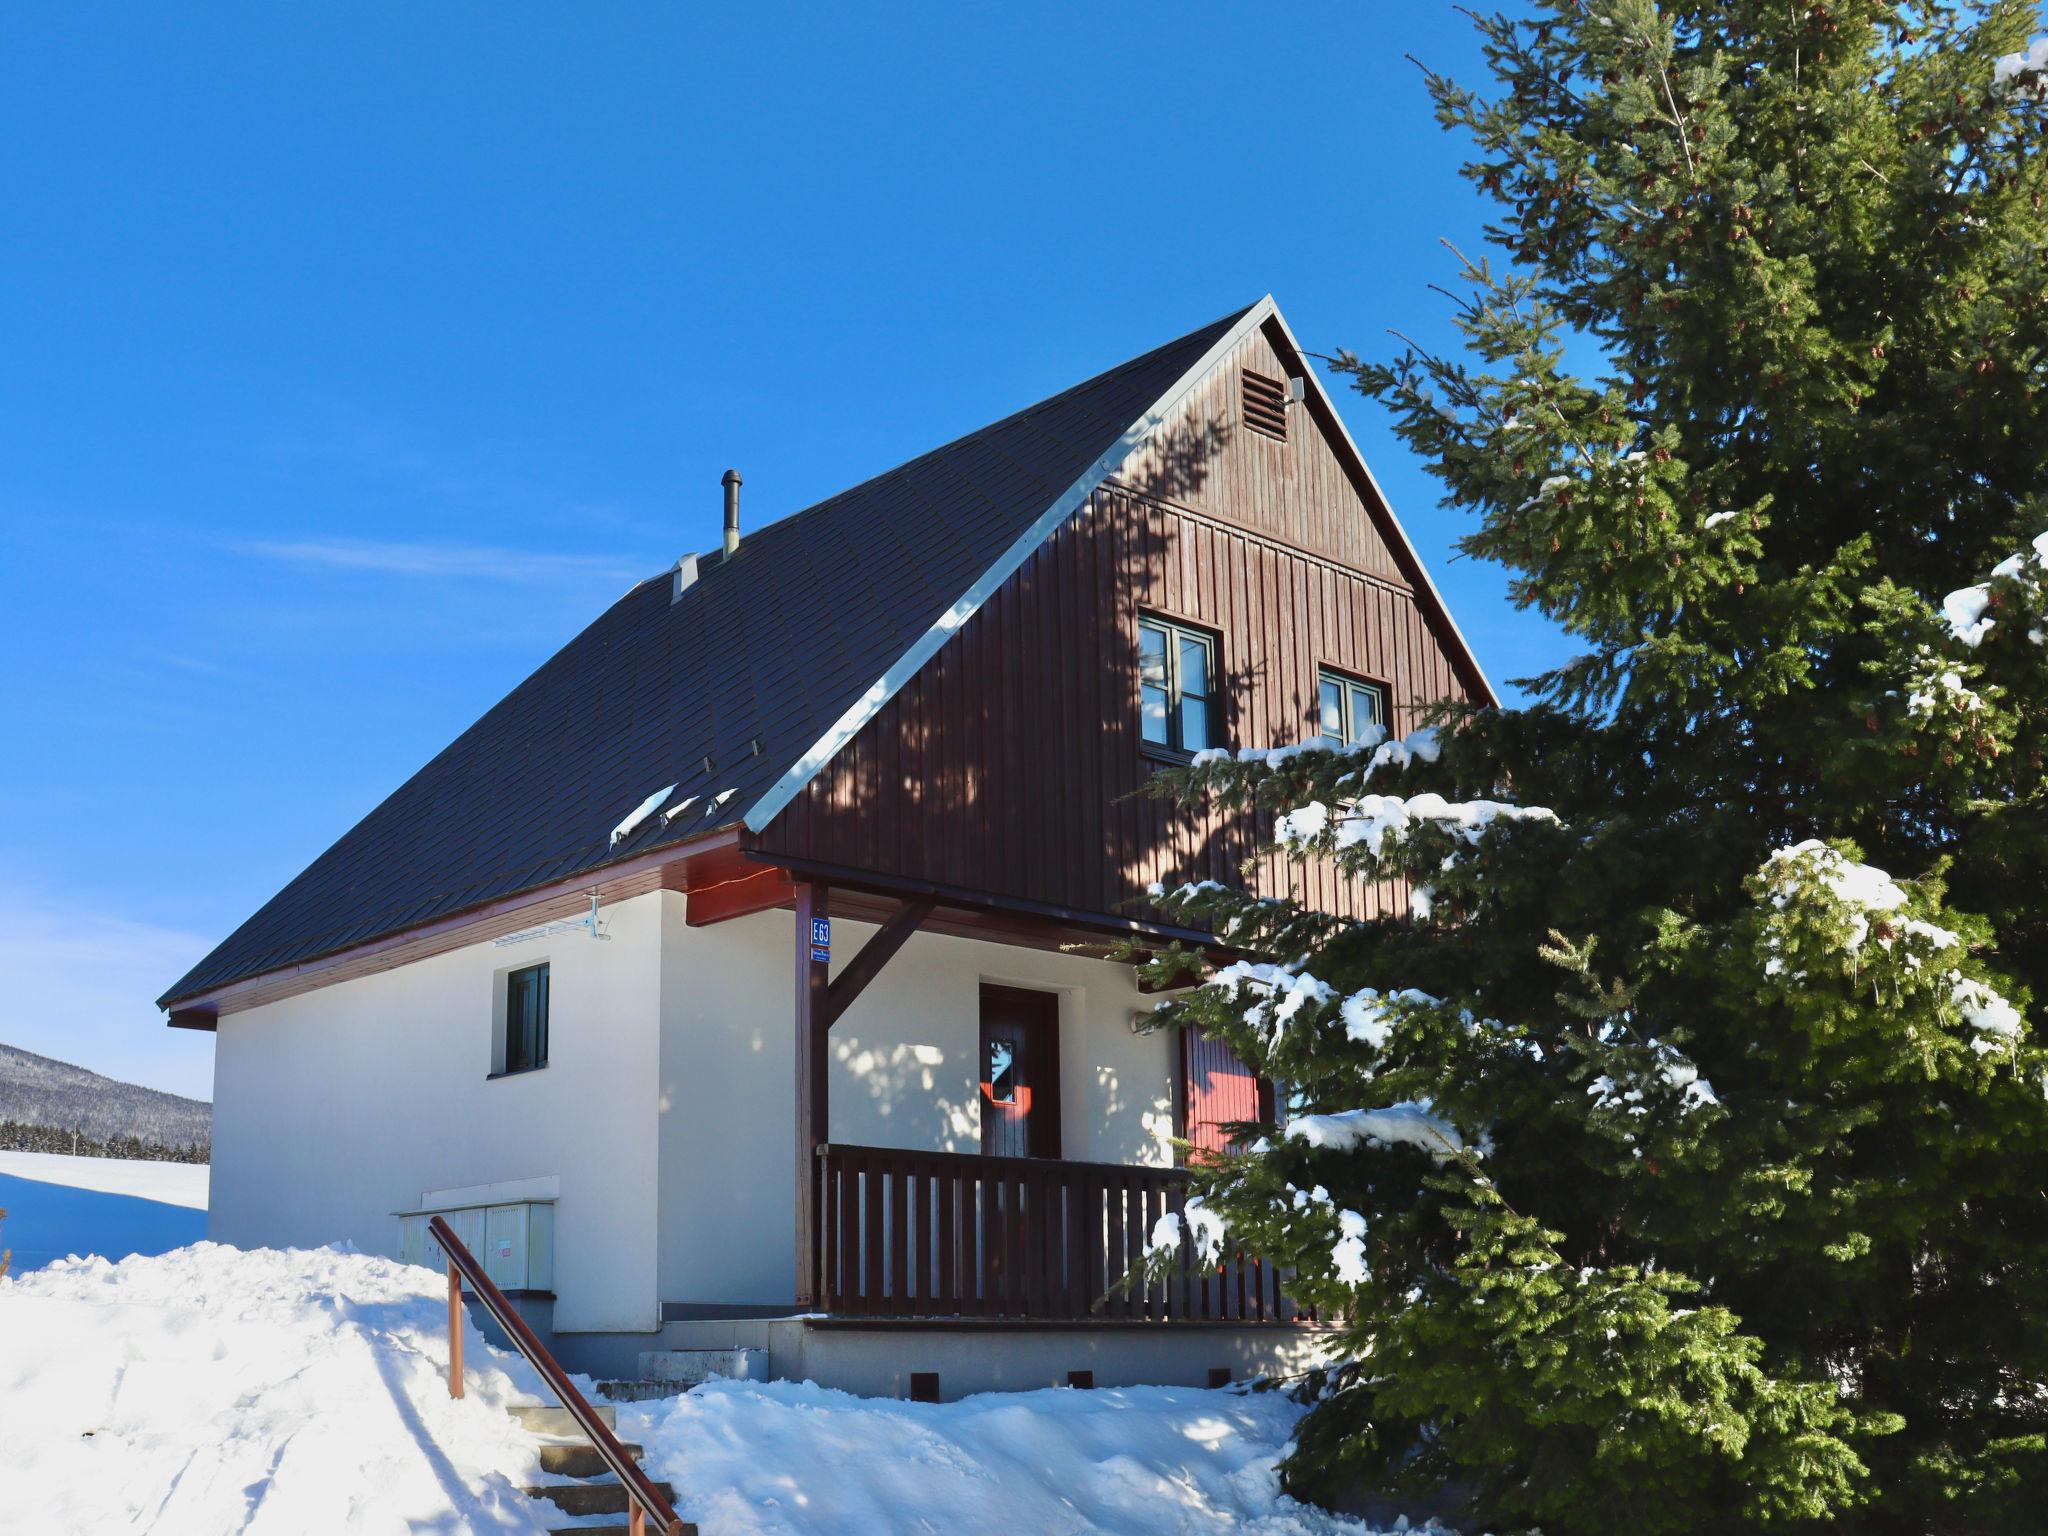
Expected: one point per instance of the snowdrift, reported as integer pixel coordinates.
(212, 1390)
(790, 1459)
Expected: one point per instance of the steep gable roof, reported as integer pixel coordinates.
(736, 689)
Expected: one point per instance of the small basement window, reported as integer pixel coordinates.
(1349, 711)
(1176, 686)
(526, 1019)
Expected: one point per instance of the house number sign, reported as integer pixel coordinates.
(821, 939)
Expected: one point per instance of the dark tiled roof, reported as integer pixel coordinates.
(771, 646)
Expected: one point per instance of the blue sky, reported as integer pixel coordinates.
(357, 355)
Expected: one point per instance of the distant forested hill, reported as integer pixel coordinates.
(43, 1101)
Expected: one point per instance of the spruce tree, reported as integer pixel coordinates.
(1679, 1160)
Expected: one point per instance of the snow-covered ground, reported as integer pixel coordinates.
(97, 1205)
(789, 1459)
(211, 1390)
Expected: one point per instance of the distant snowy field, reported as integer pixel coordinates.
(57, 1206)
(212, 1390)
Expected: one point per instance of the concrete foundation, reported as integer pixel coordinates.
(878, 1358)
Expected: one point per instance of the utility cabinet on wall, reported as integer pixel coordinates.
(514, 1241)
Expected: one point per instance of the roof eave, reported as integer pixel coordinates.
(211, 999)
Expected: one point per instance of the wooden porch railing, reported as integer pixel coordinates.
(944, 1234)
(644, 1502)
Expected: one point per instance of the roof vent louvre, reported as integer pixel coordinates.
(1265, 405)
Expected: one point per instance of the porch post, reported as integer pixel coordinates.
(813, 1106)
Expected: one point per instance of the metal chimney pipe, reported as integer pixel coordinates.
(731, 482)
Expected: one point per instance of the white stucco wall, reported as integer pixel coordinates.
(666, 1111)
(904, 1074)
(338, 1107)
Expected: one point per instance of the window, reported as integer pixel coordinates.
(526, 1019)
(1349, 712)
(1176, 686)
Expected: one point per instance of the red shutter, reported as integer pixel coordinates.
(1216, 1090)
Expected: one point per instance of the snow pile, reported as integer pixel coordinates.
(59, 1206)
(640, 813)
(782, 1459)
(1283, 991)
(1372, 819)
(215, 1390)
(1204, 1225)
(1370, 1016)
(1995, 1020)
(2006, 72)
(1677, 1074)
(1347, 1256)
(1942, 689)
(1812, 869)
(1967, 609)
(1418, 746)
(1413, 1123)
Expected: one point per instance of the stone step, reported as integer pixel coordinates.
(545, 1419)
(638, 1391)
(693, 1367)
(597, 1497)
(578, 1458)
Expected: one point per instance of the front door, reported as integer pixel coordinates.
(1020, 1073)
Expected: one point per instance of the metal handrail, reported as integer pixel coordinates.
(644, 1498)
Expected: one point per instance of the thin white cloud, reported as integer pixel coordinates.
(440, 561)
(82, 987)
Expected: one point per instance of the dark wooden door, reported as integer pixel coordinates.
(1020, 1073)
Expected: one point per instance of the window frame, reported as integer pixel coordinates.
(1348, 682)
(507, 1019)
(1177, 632)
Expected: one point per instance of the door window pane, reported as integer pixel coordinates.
(1002, 1071)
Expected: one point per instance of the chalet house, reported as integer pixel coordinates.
(741, 979)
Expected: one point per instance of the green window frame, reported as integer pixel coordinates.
(526, 1019)
(1348, 708)
(1177, 693)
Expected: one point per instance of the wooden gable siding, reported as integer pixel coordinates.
(1299, 492)
(1011, 763)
